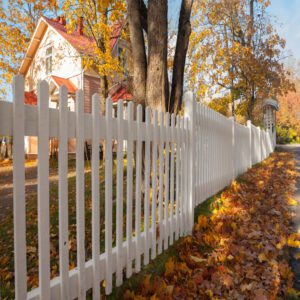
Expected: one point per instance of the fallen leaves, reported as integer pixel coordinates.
(239, 251)
(294, 240)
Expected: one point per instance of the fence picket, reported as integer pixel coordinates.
(186, 179)
(129, 191)
(182, 177)
(177, 195)
(147, 185)
(19, 204)
(80, 200)
(63, 193)
(43, 190)
(167, 162)
(172, 180)
(95, 196)
(108, 197)
(138, 182)
(119, 220)
(154, 182)
(161, 181)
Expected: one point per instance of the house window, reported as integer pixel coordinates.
(121, 56)
(122, 60)
(48, 60)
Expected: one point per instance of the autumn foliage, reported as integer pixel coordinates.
(235, 49)
(288, 118)
(239, 252)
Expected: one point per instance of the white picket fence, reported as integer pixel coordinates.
(186, 160)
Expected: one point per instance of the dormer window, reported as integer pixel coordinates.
(49, 60)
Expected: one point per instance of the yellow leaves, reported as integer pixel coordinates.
(294, 240)
(233, 226)
(169, 267)
(281, 243)
(103, 5)
(234, 186)
(262, 257)
(292, 201)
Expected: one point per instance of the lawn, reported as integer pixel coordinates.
(6, 227)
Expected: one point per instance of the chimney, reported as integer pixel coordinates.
(61, 20)
(80, 26)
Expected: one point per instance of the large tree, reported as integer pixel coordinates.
(149, 24)
(235, 48)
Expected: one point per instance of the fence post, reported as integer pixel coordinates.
(250, 143)
(190, 107)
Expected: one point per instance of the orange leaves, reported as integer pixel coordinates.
(236, 253)
(169, 267)
(202, 221)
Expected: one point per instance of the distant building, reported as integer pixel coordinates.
(56, 56)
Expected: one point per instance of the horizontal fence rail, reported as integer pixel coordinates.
(170, 163)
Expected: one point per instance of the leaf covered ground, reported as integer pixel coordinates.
(239, 251)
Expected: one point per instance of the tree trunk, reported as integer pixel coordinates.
(103, 93)
(251, 104)
(184, 32)
(138, 51)
(251, 23)
(157, 89)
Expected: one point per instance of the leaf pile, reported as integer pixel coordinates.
(239, 252)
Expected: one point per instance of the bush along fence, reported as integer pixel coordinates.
(171, 163)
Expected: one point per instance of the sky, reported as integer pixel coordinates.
(287, 14)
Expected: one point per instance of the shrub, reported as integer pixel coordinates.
(287, 135)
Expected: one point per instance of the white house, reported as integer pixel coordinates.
(56, 56)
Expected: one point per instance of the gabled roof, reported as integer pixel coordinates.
(58, 81)
(121, 94)
(80, 42)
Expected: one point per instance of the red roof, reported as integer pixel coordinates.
(121, 94)
(66, 82)
(81, 42)
(116, 33)
(30, 98)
